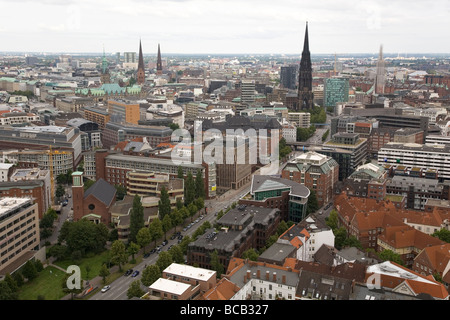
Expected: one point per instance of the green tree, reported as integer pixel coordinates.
(332, 220)
(164, 260)
(60, 191)
(215, 263)
(104, 273)
(166, 225)
(340, 235)
(6, 293)
(282, 227)
(118, 253)
(164, 204)
(177, 254)
(184, 243)
(136, 218)
(389, 255)
(29, 270)
(192, 208)
(133, 249)
(135, 290)
(250, 254)
(179, 203)
(180, 174)
(83, 235)
(312, 204)
(199, 185)
(176, 218)
(121, 192)
(143, 237)
(156, 230)
(150, 274)
(189, 189)
(443, 235)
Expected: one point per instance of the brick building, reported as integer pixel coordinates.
(95, 202)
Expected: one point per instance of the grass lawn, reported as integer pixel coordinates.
(94, 262)
(48, 284)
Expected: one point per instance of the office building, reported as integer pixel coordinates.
(248, 91)
(124, 111)
(316, 171)
(289, 76)
(115, 133)
(425, 156)
(335, 91)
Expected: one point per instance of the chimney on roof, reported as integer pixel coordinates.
(274, 277)
(283, 279)
(267, 275)
(258, 274)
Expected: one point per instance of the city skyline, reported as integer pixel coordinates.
(224, 27)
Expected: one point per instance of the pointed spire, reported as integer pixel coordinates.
(141, 57)
(159, 62)
(306, 43)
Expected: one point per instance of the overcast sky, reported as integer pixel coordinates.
(225, 26)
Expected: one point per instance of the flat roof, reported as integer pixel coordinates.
(190, 271)
(169, 286)
(10, 203)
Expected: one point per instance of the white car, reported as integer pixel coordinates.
(106, 288)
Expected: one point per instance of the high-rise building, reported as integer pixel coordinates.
(288, 76)
(129, 57)
(141, 68)
(335, 91)
(305, 93)
(380, 76)
(247, 91)
(159, 62)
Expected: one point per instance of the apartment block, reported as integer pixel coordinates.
(19, 232)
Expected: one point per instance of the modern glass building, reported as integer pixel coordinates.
(335, 90)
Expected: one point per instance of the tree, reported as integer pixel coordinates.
(199, 185)
(184, 243)
(29, 270)
(180, 174)
(143, 237)
(215, 263)
(150, 274)
(282, 227)
(164, 260)
(176, 218)
(104, 272)
(121, 192)
(177, 254)
(133, 248)
(443, 235)
(192, 208)
(60, 191)
(179, 203)
(332, 220)
(340, 235)
(136, 218)
(312, 205)
(118, 253)
(135, 290)
(156, 230)
(389, 255)
(6, 293)
(166, 225)
(250, 254)
(83, 235)
(189, 189)
(164, 204)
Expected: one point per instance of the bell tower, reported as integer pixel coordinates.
(77, 195)
(141, 69)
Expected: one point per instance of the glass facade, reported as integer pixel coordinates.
(336, 90)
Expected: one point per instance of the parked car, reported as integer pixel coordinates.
(164, 242)
(128, 272)
(147, 255)
(106, 288)
(135, 274)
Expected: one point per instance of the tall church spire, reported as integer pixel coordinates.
(159, 62)
(305, 94)
(141, 68)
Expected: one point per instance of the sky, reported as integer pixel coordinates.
(225, 26)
